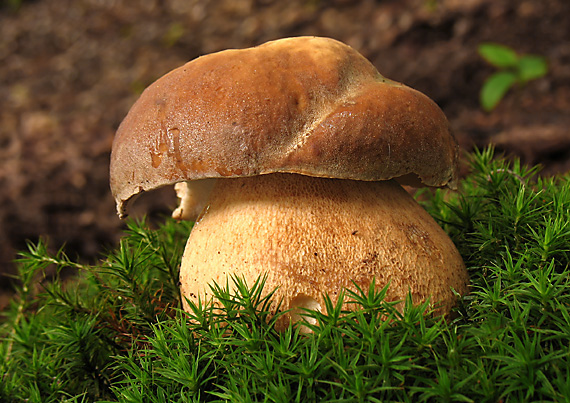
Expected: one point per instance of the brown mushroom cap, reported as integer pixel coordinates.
(306, 105)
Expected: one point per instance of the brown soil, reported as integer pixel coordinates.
(70, 70)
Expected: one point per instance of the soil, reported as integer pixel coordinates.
(71, 69)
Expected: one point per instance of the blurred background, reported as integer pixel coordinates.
(71, 69)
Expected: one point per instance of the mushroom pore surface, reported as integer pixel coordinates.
(315, 235)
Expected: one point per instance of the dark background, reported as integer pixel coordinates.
(71, 69)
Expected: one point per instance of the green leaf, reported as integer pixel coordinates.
(498, 55)
(495, 87)
(532, 67)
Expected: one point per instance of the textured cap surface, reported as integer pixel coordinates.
(306, 105)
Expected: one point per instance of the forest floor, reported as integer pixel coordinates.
(71, 69)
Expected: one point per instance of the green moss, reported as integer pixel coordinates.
(115, 332)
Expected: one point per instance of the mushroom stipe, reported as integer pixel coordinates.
(290, 153)
(298, 230)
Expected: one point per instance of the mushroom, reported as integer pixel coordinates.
(290, 157)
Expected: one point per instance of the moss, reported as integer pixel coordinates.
(115, 333)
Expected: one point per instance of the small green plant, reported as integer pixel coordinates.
(513, 69)
(116, 333)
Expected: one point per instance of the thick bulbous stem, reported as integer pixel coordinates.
(316, 235)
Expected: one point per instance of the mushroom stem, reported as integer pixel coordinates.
(193, 196)
(314, 235)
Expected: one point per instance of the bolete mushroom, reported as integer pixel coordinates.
(291, 153)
